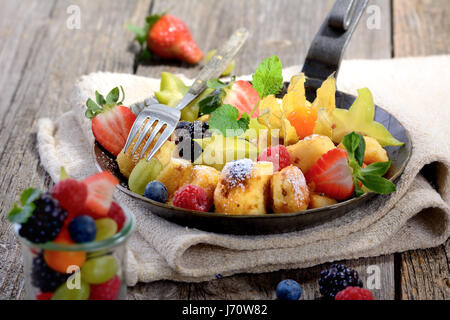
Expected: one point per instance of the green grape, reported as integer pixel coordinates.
(64, 293)
(99, 270)
(106, 228)
(144, 172)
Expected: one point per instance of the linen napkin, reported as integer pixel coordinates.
(415, 90)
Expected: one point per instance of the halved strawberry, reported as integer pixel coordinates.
(332, 175)
(100, 194)
(111, 122)
(243, 96)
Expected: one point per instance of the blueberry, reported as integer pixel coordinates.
(156, 191)
(288, 290)
(82, 229)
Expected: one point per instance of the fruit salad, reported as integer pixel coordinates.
(71, 235)
(250, 148)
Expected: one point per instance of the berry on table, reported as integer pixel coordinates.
(337, 278)
(106, 291)
(43, 277)
(354, 293)
(46, 221)
(193, 198)
(82, 229)
(156, 191)
(116, 213)
(71, 195)
(278, 155)
(288, 290)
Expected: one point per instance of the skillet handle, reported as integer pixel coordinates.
(327, 49)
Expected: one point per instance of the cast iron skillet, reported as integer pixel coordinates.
(322, 60)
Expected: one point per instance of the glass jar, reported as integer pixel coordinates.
(94, 270)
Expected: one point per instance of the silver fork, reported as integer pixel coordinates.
(164, 117)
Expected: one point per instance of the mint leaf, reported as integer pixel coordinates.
(216, 84)
(225, 121)
(268, 78)
(29, 195)
(210, 104)
(377, 168)
(377, 184)
(360, 150)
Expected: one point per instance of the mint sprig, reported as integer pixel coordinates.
(102, 104)
(372, 176)
(215, 100)
(268, 77)
(224, 120)
(20, 214)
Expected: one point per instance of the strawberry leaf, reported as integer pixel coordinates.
(99, 98)
(103, 104)
(113, 96)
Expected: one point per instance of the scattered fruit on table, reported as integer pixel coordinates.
(168, 37)
(44, 220)
(82, 229)
(106, 291)
(354, 293)
(156, 191)
(278, 155)
(337, 278)
(106, 228)
(360, 118)
(332, 176)
(192, 198)
(243, 188)
(289, 192)
(288, 290)
(144, 172)
(111, 121)
(305, 153)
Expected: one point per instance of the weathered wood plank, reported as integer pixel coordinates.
(284, 28)
(41, 59)
(421, 27)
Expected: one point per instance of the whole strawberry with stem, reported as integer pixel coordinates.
(168, 37)
(111, 121)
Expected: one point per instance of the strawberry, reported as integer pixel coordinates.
(116, 213)
(71, 195)
(111, 122)
(44, 296)
(100, 194)
(243, 96)
(106, 291)
(332, 175)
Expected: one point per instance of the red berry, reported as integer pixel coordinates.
(278, 155)
(44, 296)
(354, 293)
(106, 291)
(243, 96)
(332, 175)
(193, 198)
(71, 195)
(101, 188)
(116, 213)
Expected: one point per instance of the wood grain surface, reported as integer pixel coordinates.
(40, 60)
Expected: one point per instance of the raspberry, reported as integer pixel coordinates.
(278, 155)
(337, 278)
(106, 291)
(116, 213)
(46, 221)
(44, 296)
(43, 277)
(193, 198)
(71, 195)
(354, 293)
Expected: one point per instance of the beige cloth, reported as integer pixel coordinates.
(415, 90)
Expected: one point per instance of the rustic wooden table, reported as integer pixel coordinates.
(40, 59)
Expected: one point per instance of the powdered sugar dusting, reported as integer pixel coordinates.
(297, 180)
(237, 172)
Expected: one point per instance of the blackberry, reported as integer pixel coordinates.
(337, 278)
(44, 278)
(186, 131)
(46, 221)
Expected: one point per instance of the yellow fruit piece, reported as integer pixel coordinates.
(360, 118)
(326, 96)
(289, 191)
(324, 124)
(295, 97)
(206, 178)
(243, 188)
(305, 153)
(175, 175)
(319, 201)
